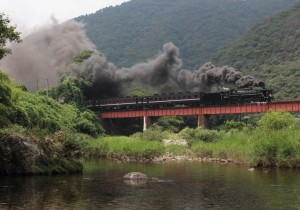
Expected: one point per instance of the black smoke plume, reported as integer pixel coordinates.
(212, 78)
(47, 53)
(108, 81)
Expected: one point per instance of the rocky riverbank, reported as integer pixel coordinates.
(22, 154)
(170, 157)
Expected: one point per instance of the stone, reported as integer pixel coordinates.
(135, 176)
(19, 155)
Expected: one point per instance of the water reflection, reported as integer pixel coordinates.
(193, 186)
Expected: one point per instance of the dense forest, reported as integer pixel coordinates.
(271, 51)
(134, 31)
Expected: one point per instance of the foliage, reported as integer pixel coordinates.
(37, 111)
(7, 34)
(175, 149)
(125, 146)
(83, 56)
(230, 124)
(199, 134)
(172, 124)
(256, 147)
(278, 148)
(58, 152)
(5, 100)
(270, 51)
(70, 90)
(154, 133)
(88, 124)
(276, 120)
(70, 144)
(146, 25)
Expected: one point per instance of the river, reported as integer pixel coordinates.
(189, 185)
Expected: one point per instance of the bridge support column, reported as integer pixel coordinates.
(146, 123)
(203, 121)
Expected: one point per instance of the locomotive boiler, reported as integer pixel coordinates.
(184, 99)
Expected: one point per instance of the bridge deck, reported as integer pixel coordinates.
(290, 106)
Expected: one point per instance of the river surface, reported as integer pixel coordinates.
(189, 185)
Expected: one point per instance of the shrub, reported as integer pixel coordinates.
(230, 124)
(154, 133)
(71, 144)
(171, 124)
(200, 134)
(276, 120)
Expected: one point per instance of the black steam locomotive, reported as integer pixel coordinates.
(184, 99)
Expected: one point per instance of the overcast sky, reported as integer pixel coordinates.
(28, 15)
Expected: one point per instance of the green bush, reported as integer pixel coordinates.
(171, 124)
(154, 133)
(70, 144)
(199, 134)
(277, 148)
(276, 120)
(230, 124)
(88, 124)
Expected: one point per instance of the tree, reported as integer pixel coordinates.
(7, 34)
(5, 100)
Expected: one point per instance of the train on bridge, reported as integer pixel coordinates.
(184, 99)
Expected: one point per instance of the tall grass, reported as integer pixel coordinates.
(279, 148)
(125, 146)
(251, 146)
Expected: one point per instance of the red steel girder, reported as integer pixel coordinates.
(291, 106)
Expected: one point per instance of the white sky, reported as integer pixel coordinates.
(28, 15)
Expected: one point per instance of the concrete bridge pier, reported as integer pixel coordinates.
(146, 123)
(203, 120)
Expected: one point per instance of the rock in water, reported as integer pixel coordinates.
(135, 179)
(135, 176)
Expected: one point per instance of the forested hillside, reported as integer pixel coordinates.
(134, 31)
(271, 51)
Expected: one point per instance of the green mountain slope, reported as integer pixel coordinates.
(134, 31)
(270, 51)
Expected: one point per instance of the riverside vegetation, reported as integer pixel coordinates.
(275, 142)
(59, 134)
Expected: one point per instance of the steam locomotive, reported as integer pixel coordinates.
(184, 99)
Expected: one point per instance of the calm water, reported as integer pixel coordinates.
(192, 186)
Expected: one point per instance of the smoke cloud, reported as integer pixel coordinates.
(45, 54)
(212, 78)
(48, 53)
(108, 81)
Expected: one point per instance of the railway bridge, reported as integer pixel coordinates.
(202, 112)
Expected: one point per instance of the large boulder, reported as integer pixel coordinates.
(19, 155)
(24, 154)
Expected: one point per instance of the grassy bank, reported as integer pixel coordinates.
(275, 142)
(120, 146)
